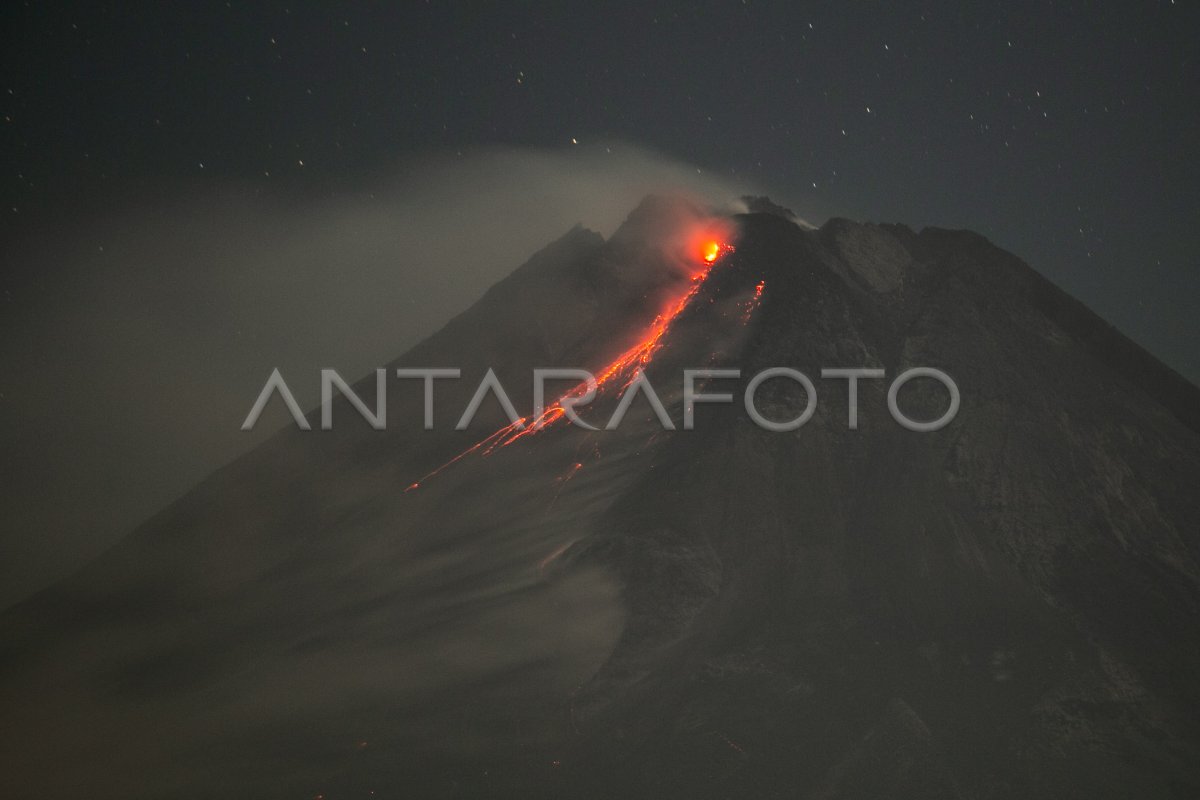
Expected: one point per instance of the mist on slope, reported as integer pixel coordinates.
(134, 344)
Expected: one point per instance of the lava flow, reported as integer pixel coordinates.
(754, 302)
(620, 371)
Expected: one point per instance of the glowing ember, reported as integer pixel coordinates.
(753, 302)
(578, 465)
(621, 371)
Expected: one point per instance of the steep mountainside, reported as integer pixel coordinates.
(1006, 607)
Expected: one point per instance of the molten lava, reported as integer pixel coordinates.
(621, 371)
(754, 302)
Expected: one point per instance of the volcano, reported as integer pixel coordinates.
(1005, 607)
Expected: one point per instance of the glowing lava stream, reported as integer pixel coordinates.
(753, 302)
(625, 365)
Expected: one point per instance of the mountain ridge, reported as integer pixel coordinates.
(989, 610)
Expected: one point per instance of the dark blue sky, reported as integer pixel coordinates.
(1066, 132)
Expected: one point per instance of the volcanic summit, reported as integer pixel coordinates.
(1008, 606)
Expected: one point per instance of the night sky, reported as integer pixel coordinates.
(1065, 132)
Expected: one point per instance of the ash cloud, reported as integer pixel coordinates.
(133, 344)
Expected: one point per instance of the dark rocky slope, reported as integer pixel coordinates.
(1007, 607)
